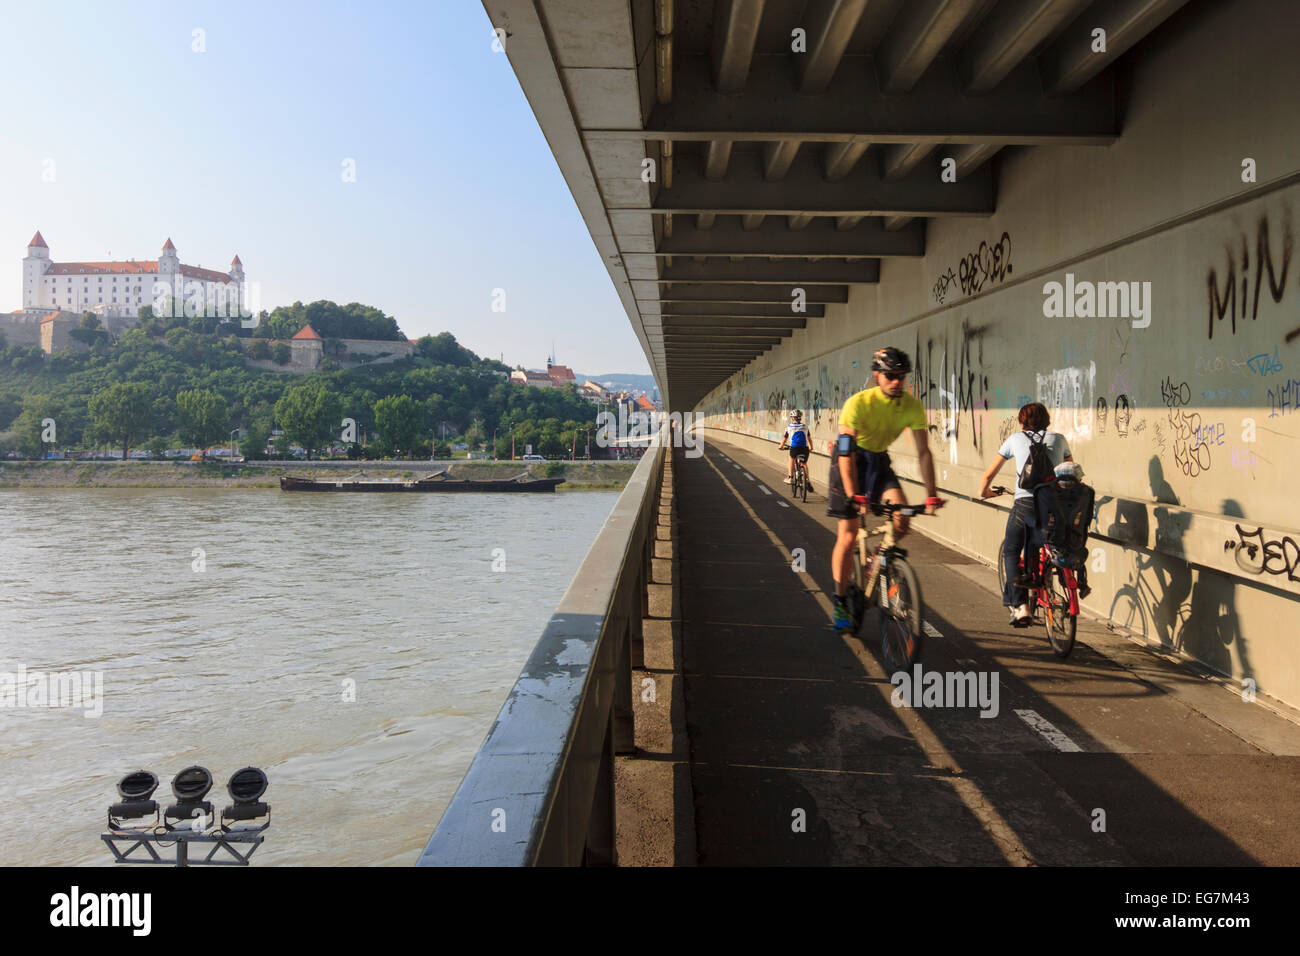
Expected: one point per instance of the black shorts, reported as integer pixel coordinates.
(882, 478)
(800, 452)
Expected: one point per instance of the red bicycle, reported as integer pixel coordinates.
(1056, 596)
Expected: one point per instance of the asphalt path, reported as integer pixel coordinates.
(799, 754)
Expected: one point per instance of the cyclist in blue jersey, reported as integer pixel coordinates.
(796, 438)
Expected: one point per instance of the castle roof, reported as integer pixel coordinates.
(168, 245)
(38, 241)
(235, 261)
(131, 268)
(307, 332)
(75, 268)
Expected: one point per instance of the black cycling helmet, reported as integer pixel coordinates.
(891, 360)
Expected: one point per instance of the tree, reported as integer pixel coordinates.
(308, 414)
(259, 349)
(204, 417)
(398, 420)
(253, 445)
(121, 412)
(280, 352)
(30, 427)
(90, 321)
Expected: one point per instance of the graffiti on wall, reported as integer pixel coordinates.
(1258, 554)
(952, 383)
(1067, 394)
(985, 265)
(1270, 271)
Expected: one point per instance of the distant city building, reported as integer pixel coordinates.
(594, 391)
(537, 379)
(560, 374)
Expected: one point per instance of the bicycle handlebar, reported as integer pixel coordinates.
(885, 507)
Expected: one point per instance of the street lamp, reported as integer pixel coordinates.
(233, 433)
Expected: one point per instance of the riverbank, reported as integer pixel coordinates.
(577, 475)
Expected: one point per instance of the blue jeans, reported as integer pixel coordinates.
(1021, 538)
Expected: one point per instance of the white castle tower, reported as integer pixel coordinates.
(35, 263)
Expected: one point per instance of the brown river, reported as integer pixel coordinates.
(355, 647)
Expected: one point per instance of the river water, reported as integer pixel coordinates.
(355, 647)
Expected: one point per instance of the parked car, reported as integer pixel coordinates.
(532, 458)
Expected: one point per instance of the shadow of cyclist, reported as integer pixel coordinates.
(1213, 627)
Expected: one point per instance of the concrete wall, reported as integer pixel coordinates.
(22, 328)
(1186, 427)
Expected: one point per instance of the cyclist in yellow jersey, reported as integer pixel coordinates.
(869, 423)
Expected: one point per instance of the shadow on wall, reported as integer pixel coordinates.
(1152, 605)
(1196, 617)
(1214, 627)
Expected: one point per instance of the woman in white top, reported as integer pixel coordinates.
(1020, 537)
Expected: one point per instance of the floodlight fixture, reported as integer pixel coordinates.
(135, 789)
(190, 786)
(246, 787)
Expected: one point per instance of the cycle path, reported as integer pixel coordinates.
(798, 754)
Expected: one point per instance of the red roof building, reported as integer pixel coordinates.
(559, 374)
(307, 332)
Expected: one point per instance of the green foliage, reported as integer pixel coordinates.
(443, 349)
(466, 397)
(203, 417)
(256, 435)
(281, 352)
(330, 320)
(87, 335)
(121, 413)
(398, 418)
(309, 414)
(28, 425)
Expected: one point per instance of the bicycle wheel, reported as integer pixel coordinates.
(900, 616)
(1060, 622)
(794, 483)
(1002, 575)
(803, 482)
(854, 599)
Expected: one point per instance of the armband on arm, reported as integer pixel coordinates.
(846, 444)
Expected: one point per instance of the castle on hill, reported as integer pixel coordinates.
(57, 294)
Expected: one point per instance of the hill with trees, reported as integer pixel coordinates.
(169, 383)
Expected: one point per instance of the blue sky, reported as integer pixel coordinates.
(240, 149)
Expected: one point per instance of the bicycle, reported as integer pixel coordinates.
(899, 593)
(799, 483)
(1057, 596)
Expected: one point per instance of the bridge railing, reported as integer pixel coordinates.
(540, 791)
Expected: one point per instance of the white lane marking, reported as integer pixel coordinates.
(783, 504)
(748, 475)
(1049, 731)
(764, 489)
(930, 629)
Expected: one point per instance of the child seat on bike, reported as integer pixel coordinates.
(1064, 511)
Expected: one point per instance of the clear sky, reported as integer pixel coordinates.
(241, 149)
